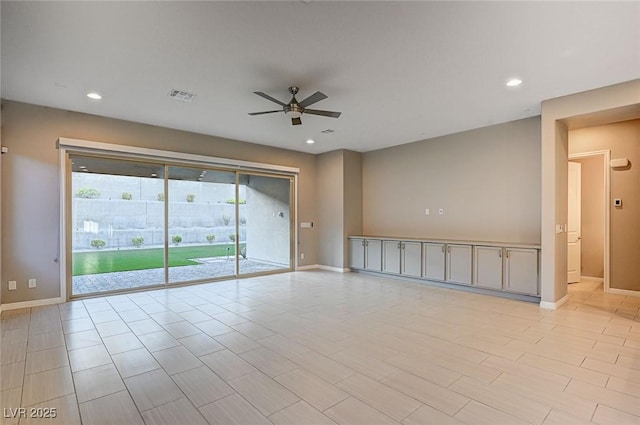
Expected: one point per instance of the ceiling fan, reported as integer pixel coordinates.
(295, 109)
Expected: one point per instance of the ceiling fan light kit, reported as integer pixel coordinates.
(295, 109)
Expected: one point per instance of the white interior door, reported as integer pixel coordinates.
(574, 239)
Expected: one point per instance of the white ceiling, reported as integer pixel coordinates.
(398, 71)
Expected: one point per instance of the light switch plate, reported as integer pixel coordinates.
(32, 283)
(12, 285)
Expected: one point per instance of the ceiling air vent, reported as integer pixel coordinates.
(182, 95)
(327, 131)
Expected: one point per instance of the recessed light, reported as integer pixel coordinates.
(310, 142)
(94, 95)
(514, 82)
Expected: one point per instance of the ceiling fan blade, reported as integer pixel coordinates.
(265, 112)
(266, 96)
(316, 97)
(331, 114)
(296, 121)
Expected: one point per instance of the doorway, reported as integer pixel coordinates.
(588, 226)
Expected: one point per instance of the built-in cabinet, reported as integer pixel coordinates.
(401, 257)
(488, 268)
(521, 270)
(366, 254)
(434, 260)
(411, 259)
(459, 263)
(494, 266)
(356, 252)
(505, 268)
(391, 251)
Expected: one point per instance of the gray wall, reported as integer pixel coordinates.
(339, 189)
(487, 181)
(30, 184)
(330, 202)
(352, 168)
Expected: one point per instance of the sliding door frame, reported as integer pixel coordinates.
(293, 237)
(68, 147)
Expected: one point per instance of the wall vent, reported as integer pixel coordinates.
(182, 95)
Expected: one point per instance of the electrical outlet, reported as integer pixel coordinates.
(12, 285)
(302, 256)
(32, 283)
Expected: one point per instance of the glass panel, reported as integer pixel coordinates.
(117, 223)
(264, 223)
(201, 224)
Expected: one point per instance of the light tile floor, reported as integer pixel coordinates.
(96, 283)
(319, 347)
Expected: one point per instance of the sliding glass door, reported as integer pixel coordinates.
(140, 224)
(117, 224)
(265, 227)
(201, 224)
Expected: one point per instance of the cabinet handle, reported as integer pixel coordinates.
(442, 248)
(399, 245)
(403, 246)
(507, 253)
(362, 243)
(366, 243)
(500, 253)
(449, 249)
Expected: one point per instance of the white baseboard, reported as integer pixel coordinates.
(334, 269)
(554, 306)
(323, 267)
(627, 292)
(592, 279)
(29, 304)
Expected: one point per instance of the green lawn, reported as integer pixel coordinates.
(140, 259)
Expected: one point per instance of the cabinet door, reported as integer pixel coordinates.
(373, 254)
(412, 259)
(521, 271)
(434, 261)
(356, 247)
(488, 267)
(391, 256)
(459, 264)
